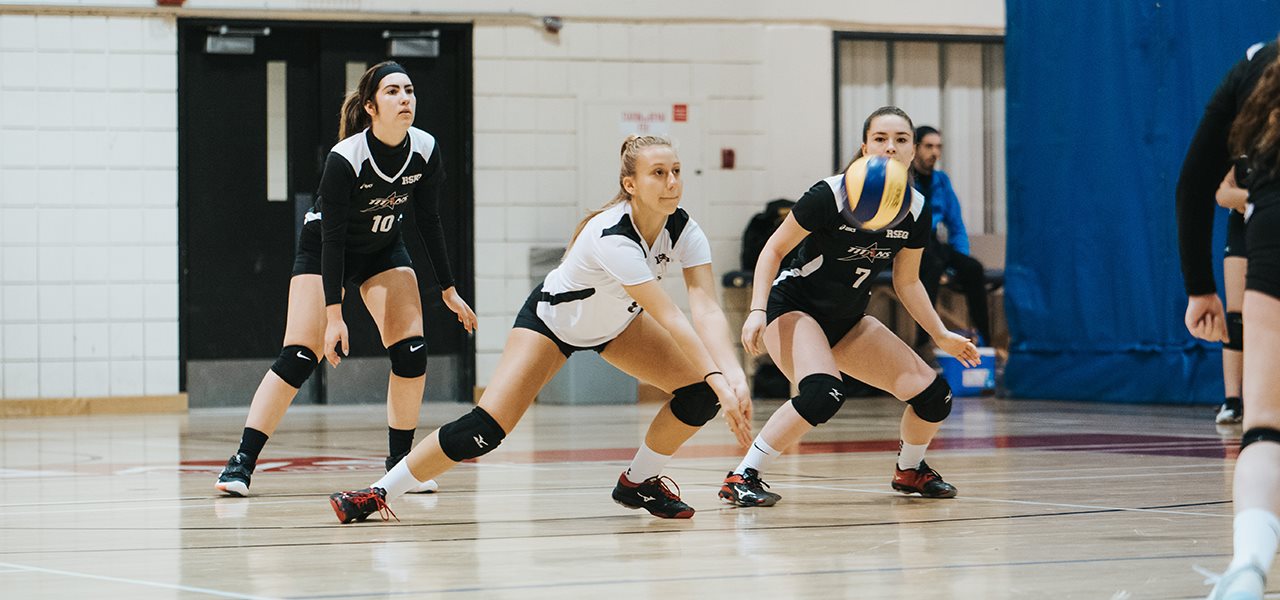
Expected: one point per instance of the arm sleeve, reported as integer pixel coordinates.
(816, 208)
(957, 235)
(693, 248)
(426, 202)
(1205, 165)
(335, 197)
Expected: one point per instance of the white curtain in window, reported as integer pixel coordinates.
(963, 128)
(917, 81)
(957, 87)
(995, 138)
(864, 87)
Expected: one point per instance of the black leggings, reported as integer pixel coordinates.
(1262, 238)
(969, 274)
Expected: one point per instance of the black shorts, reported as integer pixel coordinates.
(1235, 236)
(359, 267)
(783, 301)
(528, 318)
(1262, 237)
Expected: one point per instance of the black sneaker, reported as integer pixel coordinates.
(393, 460)
(922, 480)
(234, 480)
(1231, 412)
(358, 505)
(652, 495)
(747, 489)
(427, 487)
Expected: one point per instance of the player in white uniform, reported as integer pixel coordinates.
(606, 297)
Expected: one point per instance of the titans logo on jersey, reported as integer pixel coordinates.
(870, 253)
(836, 263)
(391, 201)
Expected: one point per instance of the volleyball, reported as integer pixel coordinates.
(878, 196)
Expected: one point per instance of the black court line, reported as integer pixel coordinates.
(357, 527)
(737, 576)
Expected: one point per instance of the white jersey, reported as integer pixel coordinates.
(583, 301)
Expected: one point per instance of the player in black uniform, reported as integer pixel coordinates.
(812, 321)
(1232, 196)
(1248, 102)
(1206, 164)
(382, 167)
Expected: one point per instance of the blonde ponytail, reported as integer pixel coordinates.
(631, 148)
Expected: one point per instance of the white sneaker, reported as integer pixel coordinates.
(1246, 582)
(427, 487)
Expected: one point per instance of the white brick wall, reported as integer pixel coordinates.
(88, 203)
(763, 91)
(930, 15)
(88, 140)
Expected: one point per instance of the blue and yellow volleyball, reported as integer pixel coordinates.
(878, 196)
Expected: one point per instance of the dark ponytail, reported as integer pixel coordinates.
(353, 117)
(1256, 130)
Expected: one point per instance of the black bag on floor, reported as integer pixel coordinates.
(760, 227)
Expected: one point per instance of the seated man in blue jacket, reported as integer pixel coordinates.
(952, 255)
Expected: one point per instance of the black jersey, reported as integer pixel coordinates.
(1206, 164)
(835, 264)
(364, 192)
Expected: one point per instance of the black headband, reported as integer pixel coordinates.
(385, 70)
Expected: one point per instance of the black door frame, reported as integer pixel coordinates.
(462, 171)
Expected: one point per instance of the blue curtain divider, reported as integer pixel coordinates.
(1103, 97)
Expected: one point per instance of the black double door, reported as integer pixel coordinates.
(255, 126)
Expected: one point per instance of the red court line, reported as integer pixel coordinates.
(1161, 445)
(1112, 443)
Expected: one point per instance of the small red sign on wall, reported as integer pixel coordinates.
(680, 113)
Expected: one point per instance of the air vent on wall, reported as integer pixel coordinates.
(416, 44)
(233, 40)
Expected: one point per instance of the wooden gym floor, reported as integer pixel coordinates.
(1057, 500)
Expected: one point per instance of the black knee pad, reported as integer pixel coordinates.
(409, 357)
(1259, 434)
(471, 435)
(295, 364)
(1235, 332)
(821, 396)
(695, 404)
(934, 403)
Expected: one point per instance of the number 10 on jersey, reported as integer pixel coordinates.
(383, 223)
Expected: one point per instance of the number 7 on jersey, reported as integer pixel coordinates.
(862, 275)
